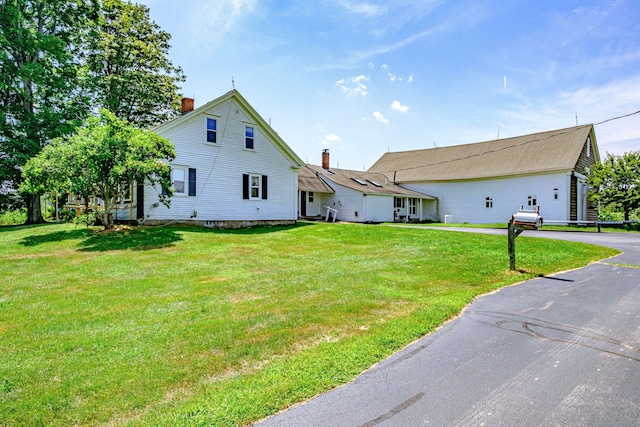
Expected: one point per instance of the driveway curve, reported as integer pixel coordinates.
(558, 350)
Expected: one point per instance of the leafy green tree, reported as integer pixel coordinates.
(616, 182)
(102, 159)
(40, 80)
(128, 61)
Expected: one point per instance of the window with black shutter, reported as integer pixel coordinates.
(254, 187)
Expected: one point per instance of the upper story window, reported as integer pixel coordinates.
(248, 137)
(212, 130)
(488, 202)
(532, 201)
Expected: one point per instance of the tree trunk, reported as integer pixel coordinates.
(34, 209)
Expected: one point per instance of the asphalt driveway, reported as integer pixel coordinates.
(559, 350)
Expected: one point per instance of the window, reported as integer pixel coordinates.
(248, 137)
(488, 202)
(377, 184)
(399, 202)
(359, 181)
(178, 176)
(310, 195)
(555, 194)
(413, 203)
(254, 187)
(184, 181)
(532, 201)
(212, 130)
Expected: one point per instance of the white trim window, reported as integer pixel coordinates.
(249, 137)
(532, 201)
(211, 130)
(183, 181)
(310, 196)
(179, 178)
(254, 186)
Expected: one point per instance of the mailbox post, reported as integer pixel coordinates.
(520, 221)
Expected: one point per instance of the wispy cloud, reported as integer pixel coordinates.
(330, 139)
(379, 117)
(366, 9)
(354, 86)
(396, 105)
(213, 21)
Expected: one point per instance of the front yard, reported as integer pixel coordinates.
(189, 326)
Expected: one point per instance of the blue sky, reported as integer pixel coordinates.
(365, 77)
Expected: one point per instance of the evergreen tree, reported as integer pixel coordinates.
(129, 64)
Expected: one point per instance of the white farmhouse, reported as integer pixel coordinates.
(231, 169)
(355, 196)
(487, 182)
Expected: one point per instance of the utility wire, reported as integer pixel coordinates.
(509, 146)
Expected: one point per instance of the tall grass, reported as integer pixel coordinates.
(13, 217)
(186, 326)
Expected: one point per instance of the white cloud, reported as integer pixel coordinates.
(355, 86)
(214, 20)
(410, 78)
(396, 105)
(379, 117)
(330, 139)
(384, 67)
(366, 9)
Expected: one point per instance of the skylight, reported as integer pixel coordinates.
(377, 184)
(359, 181)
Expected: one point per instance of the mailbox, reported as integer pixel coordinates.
(527, 219)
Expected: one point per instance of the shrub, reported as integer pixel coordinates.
(13, 217)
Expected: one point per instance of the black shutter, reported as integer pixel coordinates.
(245, 186)
(264, 187)
(192, 182)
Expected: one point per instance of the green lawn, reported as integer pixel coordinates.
(188, 326)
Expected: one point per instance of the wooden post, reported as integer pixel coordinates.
(514, 231)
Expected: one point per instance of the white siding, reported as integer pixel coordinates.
(219, 169)
(465, 200)
(378, 208)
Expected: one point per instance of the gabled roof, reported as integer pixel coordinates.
(309, 181)
(557, 150)
(235, 96)
(365, 182)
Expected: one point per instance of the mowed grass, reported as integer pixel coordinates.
(188, 326)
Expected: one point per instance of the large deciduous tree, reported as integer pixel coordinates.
(40, 72)
(616, 182)
(130, 67)
(102, 159)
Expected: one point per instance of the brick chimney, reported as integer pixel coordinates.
(325, 159)
(187, 105)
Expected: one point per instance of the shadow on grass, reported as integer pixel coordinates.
(112, 240)
(139, 238)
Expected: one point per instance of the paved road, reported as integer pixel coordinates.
(561, 350)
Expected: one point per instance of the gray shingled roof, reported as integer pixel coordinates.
(549, 151)
(369, 182)
(309, 181)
